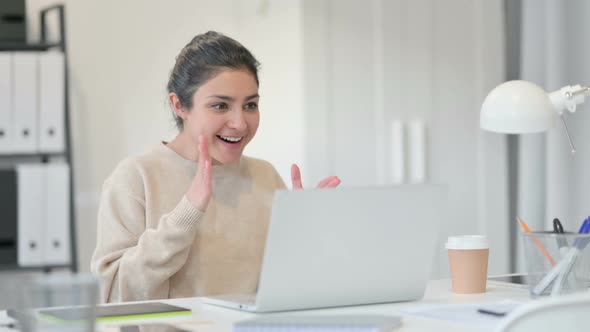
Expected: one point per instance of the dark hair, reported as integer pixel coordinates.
(203, 58)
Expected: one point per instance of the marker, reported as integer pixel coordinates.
(527, 230)
(558, 229)
(563, 268)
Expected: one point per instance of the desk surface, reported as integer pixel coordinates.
(207, 318)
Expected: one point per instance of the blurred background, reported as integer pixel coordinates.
(377, 92)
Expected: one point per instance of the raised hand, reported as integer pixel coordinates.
(199, 192)
(329, 182)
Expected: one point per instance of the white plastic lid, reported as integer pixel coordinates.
(467, 242)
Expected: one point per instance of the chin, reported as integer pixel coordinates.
(228, 160)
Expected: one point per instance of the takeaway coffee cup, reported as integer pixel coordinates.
(468, 261)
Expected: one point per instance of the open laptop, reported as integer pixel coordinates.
(346, 246)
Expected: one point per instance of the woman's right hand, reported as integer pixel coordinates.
(200, 191)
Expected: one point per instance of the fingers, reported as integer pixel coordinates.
(323, 183)
(296, 177)
(206, 175)
(204, 157)
(203, 148)
(204, 161)
(334, 183)
(329, 182)
(200, 190)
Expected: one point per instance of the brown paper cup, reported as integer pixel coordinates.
(468, 260)
(469, 270)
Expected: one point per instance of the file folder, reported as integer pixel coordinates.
(51, 102)
(56, 241)
(25, 97)
(5, 102)
(31, 213)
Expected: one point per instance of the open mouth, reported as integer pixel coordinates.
(230, 139)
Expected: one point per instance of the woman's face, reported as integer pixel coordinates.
(225, 110)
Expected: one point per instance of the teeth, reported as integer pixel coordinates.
(231, 139)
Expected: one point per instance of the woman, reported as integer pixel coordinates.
(190, 217)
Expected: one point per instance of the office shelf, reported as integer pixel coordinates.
(28, 47)
(44, 268)
(32, 155)
(46, 158)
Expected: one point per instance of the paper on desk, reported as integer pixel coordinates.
(465, 314)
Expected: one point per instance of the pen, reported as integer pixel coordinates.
(493, 313)
(526, 229)
(564, 264)
(579, 245)
(558, 229)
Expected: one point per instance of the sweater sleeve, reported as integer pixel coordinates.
(134, 263)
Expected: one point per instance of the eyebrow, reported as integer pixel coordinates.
(228, 98)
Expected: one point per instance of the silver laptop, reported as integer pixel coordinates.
(346, 246)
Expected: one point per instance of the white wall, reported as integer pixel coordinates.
(553, 182)
(370, 63)
(121, 53)
(334, 73)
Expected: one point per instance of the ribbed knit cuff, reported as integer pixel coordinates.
(185, 215)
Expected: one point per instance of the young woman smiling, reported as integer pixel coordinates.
(190, 217)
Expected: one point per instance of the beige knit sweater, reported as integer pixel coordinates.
(152, 243)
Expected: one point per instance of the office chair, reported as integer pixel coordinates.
(562, 313)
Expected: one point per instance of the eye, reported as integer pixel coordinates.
(251, 106)
(220, 106)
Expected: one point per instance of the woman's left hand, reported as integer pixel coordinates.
(329, 182)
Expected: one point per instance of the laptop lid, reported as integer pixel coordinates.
(349, 246)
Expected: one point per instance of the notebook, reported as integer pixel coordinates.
(112, 312)
(346, 246)
(343, 323)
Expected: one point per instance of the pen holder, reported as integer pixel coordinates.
(556, 263)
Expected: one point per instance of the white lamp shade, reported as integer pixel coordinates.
(517, 107)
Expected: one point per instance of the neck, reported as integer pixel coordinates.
(184, 146)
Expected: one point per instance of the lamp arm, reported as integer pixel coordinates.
(568, 97)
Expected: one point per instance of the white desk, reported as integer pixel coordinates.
(207, 318)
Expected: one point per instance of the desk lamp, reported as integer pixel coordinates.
(521, 107)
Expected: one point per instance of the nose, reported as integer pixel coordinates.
(237, 120)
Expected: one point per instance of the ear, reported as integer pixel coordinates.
(177, 106)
